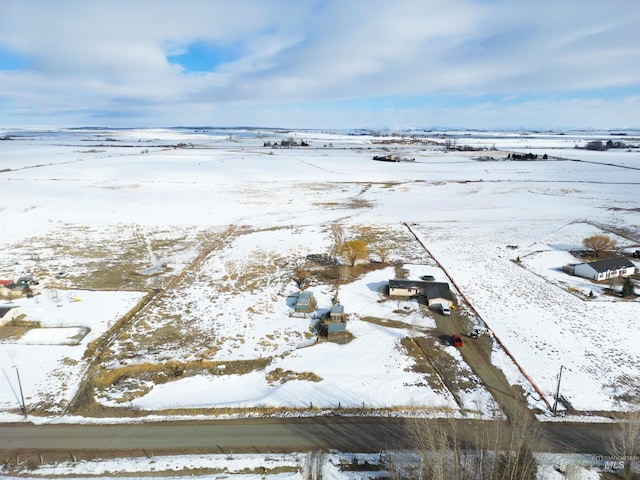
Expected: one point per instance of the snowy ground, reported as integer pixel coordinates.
(295, 466)
(96, 202)
(49, 360)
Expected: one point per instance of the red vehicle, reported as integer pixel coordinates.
(457, 340)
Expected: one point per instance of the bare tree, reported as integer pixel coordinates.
(625, 445)
(486, 450)
(354, 250)
(598, 243)
(383, 252)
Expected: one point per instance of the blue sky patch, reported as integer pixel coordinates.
(10, 60)
(204, 57)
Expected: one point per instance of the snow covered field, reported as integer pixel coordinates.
(103, 205)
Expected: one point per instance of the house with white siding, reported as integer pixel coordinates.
(434, 292)
(8, 314)
(605, 269)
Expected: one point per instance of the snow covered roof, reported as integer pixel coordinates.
(337, 310)
(610, 264)
(305, 298)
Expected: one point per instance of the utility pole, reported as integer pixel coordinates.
(555, 403)
(24, 406)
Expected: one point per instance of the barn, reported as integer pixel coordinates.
(306, 303)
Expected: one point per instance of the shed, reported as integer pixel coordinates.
(306, 303)
(8, 314)
(336, 321)
(605, 269)
(336, 314)
(336, 327)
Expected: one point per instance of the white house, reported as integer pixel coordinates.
(406, 288)
(435, 292)
(605, 269)
(9, 313)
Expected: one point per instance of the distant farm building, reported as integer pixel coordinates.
(13, 290)
(605, 269)
(7, 314)
(306, 303)
(392, 157)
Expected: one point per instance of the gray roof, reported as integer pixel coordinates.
(602, 266)
(5, 310)
(398, 283)
(430, 289)
(438, 290)
(337, 310)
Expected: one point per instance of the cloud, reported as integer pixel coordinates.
(151, 62)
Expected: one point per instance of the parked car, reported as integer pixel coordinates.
(457, 340)
(444, 309)
(476, 332)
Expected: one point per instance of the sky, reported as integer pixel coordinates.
(483, 64)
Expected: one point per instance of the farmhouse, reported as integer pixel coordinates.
(435, 292)
(306, 303)
(14, 291)
(406, 288)
(605, 269)
(8, 314)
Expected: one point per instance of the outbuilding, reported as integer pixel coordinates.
(605, 269)
(335, 323)
(306, 303)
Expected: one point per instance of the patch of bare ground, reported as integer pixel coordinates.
(632, 234)
(313, 274)
(106, 258)
(282, 376)
(386, 322)
(383, 243)
(442, 371)
(341, 338)
(629, 388)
